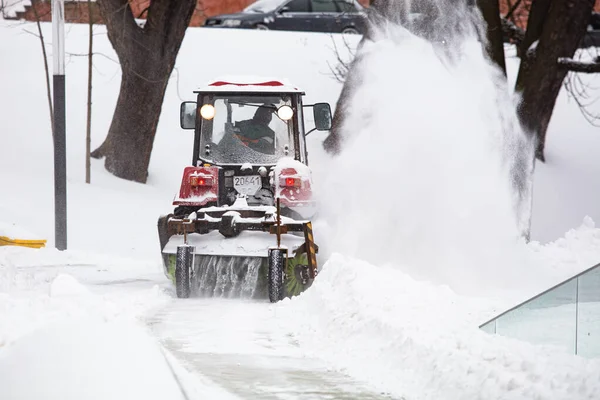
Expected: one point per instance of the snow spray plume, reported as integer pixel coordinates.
(431, 146)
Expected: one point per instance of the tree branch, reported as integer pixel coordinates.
(579, 66)
(490, 10)
(145, 10)
(512, 9)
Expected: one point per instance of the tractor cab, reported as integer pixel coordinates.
(243, 129)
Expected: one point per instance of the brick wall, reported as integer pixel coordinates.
(521, 12)
(77, 11)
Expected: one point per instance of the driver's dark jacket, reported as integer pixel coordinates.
(250, 131)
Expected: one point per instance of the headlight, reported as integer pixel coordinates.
(207, 111)
(232, 23)
(285, 112)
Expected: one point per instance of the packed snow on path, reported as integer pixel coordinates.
(396, 306)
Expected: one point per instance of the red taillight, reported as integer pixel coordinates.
(291, 182)
(200, 181)
(199, 186)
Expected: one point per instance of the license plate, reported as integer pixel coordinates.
(247, 185)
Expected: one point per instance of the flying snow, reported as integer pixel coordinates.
(431, 175)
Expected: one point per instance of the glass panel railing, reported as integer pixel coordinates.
(588, 318)
(567, 316)
(489, 327)
(548, 319)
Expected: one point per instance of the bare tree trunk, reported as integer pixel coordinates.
(48, 87)
(490, 9)
(540, 76)
(380, 12)
(147, 56)
(535, 25)
(334, 141)
(88, 130)
(128, 145)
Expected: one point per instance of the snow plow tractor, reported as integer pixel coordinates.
(241, 226)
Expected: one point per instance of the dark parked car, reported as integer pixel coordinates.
(334, 16)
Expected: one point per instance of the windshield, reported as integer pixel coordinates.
(264, 6)
(246, 129)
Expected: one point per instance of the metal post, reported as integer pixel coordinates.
(60, 158)
(576, 315)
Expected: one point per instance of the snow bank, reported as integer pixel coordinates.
(417, 340)
(84, 359)
(14, 231)
(576, 251)
(38, 287)
(67, 286)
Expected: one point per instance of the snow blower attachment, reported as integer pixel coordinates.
(241, 226)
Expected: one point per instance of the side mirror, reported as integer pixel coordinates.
(187, 115)
(284, 9)
(322, 114)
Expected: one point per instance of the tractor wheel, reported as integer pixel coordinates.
(277, 261)
(296, 275)
(183, 266)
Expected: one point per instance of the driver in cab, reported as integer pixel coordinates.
(255, 133)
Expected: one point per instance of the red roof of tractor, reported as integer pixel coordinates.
(249, 84)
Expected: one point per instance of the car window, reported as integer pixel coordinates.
(595, 21)
(345, 6)
(264, 6)
(297, 6)
(323, 6)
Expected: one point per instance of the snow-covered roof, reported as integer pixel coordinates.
(249, 84)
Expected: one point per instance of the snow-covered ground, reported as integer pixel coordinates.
(374, 324)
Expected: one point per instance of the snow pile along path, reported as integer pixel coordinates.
(38, 287)
(578, 250)
(71, 329)
(417, 340)
(82, 358)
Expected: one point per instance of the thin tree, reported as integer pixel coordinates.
(47, 71)
(147, 56)
(491, 13)
(88, 130)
